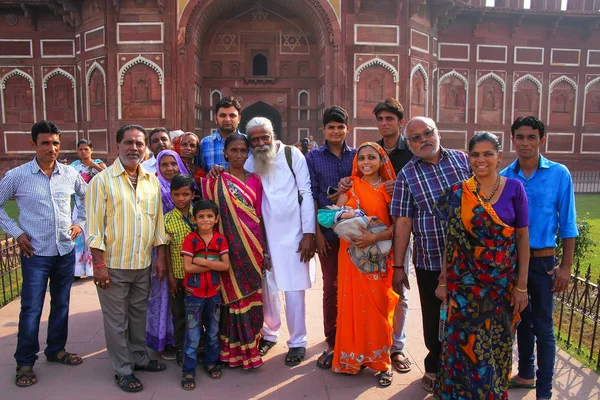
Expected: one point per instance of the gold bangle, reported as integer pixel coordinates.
(442, 285)
(521, 290)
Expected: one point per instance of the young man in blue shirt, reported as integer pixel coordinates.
(327, 165)
(551, 209)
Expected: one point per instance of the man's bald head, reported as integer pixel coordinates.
(423, 138)
(418, 123)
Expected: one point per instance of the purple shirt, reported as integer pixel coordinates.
(418, 187)
(512, 207)
(326, 169)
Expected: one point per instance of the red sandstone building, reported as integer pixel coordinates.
(94, 65)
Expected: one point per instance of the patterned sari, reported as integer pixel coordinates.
(481, 252)
(366, 302)
(242, 312)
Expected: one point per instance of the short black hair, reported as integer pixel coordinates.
(181, 180)
(125, 128)
(227, 102)
(337, 114)
(154, 131)
(43, 127)
(234, 137)
(531, 121)
(86, 142)
(480, 137)
(390, 105)
(205, 204)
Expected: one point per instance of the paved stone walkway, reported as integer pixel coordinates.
(94, 378)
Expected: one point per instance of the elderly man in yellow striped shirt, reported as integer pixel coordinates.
(125, 221)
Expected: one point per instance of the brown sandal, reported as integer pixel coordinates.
(401, 362)
(27, 373)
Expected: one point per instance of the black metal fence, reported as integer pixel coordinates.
(577, 316)
(10, 270)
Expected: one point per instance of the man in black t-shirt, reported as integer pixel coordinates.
(390, 120)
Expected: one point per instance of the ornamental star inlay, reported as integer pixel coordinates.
(227, 40)
(259, 16)
(292, 41)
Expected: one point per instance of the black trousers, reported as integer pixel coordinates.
(430, 310)
(178, 311)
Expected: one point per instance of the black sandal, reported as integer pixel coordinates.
(325, 359)
(188, 383)
(264, 346)
(214, 372)
(152, 366)
(295, 356)
(28, 373)
(124, 383)
(66, 359)
(385, 378)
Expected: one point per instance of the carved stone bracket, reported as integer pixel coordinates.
(554, 27)
(479, 22)
(116, 5)
(516, 24)
(29, 14)
(161, 6)
(356, 6)
(415, 5)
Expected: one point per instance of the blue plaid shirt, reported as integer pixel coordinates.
(418, 187)
(326, 169)
(44, 206)
(211, 151)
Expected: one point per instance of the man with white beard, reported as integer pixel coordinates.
(290, 229)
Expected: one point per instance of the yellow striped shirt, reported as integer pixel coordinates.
(123, 222)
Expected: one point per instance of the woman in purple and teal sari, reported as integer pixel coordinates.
(484, 276)
(161, 335)
(238, 194)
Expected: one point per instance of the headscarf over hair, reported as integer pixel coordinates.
(386, 171)
(165, 185)
(177, 141)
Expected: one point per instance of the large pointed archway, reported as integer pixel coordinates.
(260, 109)
(293, 40)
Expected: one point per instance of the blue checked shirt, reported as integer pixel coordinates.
(418, 187)
(44, 206)
(211, 151)
(551, 202)
(326, 169)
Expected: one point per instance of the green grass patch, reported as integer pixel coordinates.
(10, 286)
(589, 204)
(12, 210)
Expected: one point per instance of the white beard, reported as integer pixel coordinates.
(264, 160)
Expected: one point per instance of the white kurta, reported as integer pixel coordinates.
(285, 220)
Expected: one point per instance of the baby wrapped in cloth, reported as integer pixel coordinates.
(346, 223)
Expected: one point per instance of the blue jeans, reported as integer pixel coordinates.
(201, 312)
(36, 272)
(537, 327)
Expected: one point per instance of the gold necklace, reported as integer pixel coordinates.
(376, 183)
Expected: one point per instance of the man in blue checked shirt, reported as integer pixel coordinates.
(227, 118)
(45, 234)
(551, 199)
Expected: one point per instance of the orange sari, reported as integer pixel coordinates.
(366, 302)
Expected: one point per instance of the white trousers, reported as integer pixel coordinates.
(295, 314)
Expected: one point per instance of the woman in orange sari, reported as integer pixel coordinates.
(366, 301)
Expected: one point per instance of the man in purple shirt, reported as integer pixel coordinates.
(419, 184)
(327, 165)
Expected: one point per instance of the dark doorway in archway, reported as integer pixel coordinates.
(260, 109)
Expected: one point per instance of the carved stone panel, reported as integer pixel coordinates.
(562, 104)
(60, 102)
(417, 95)
(141, 93)
(452, 100)
(97, 93)
(375, 84)
(18, 100)
(489, 102)
(526, 99)
(592, 105)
